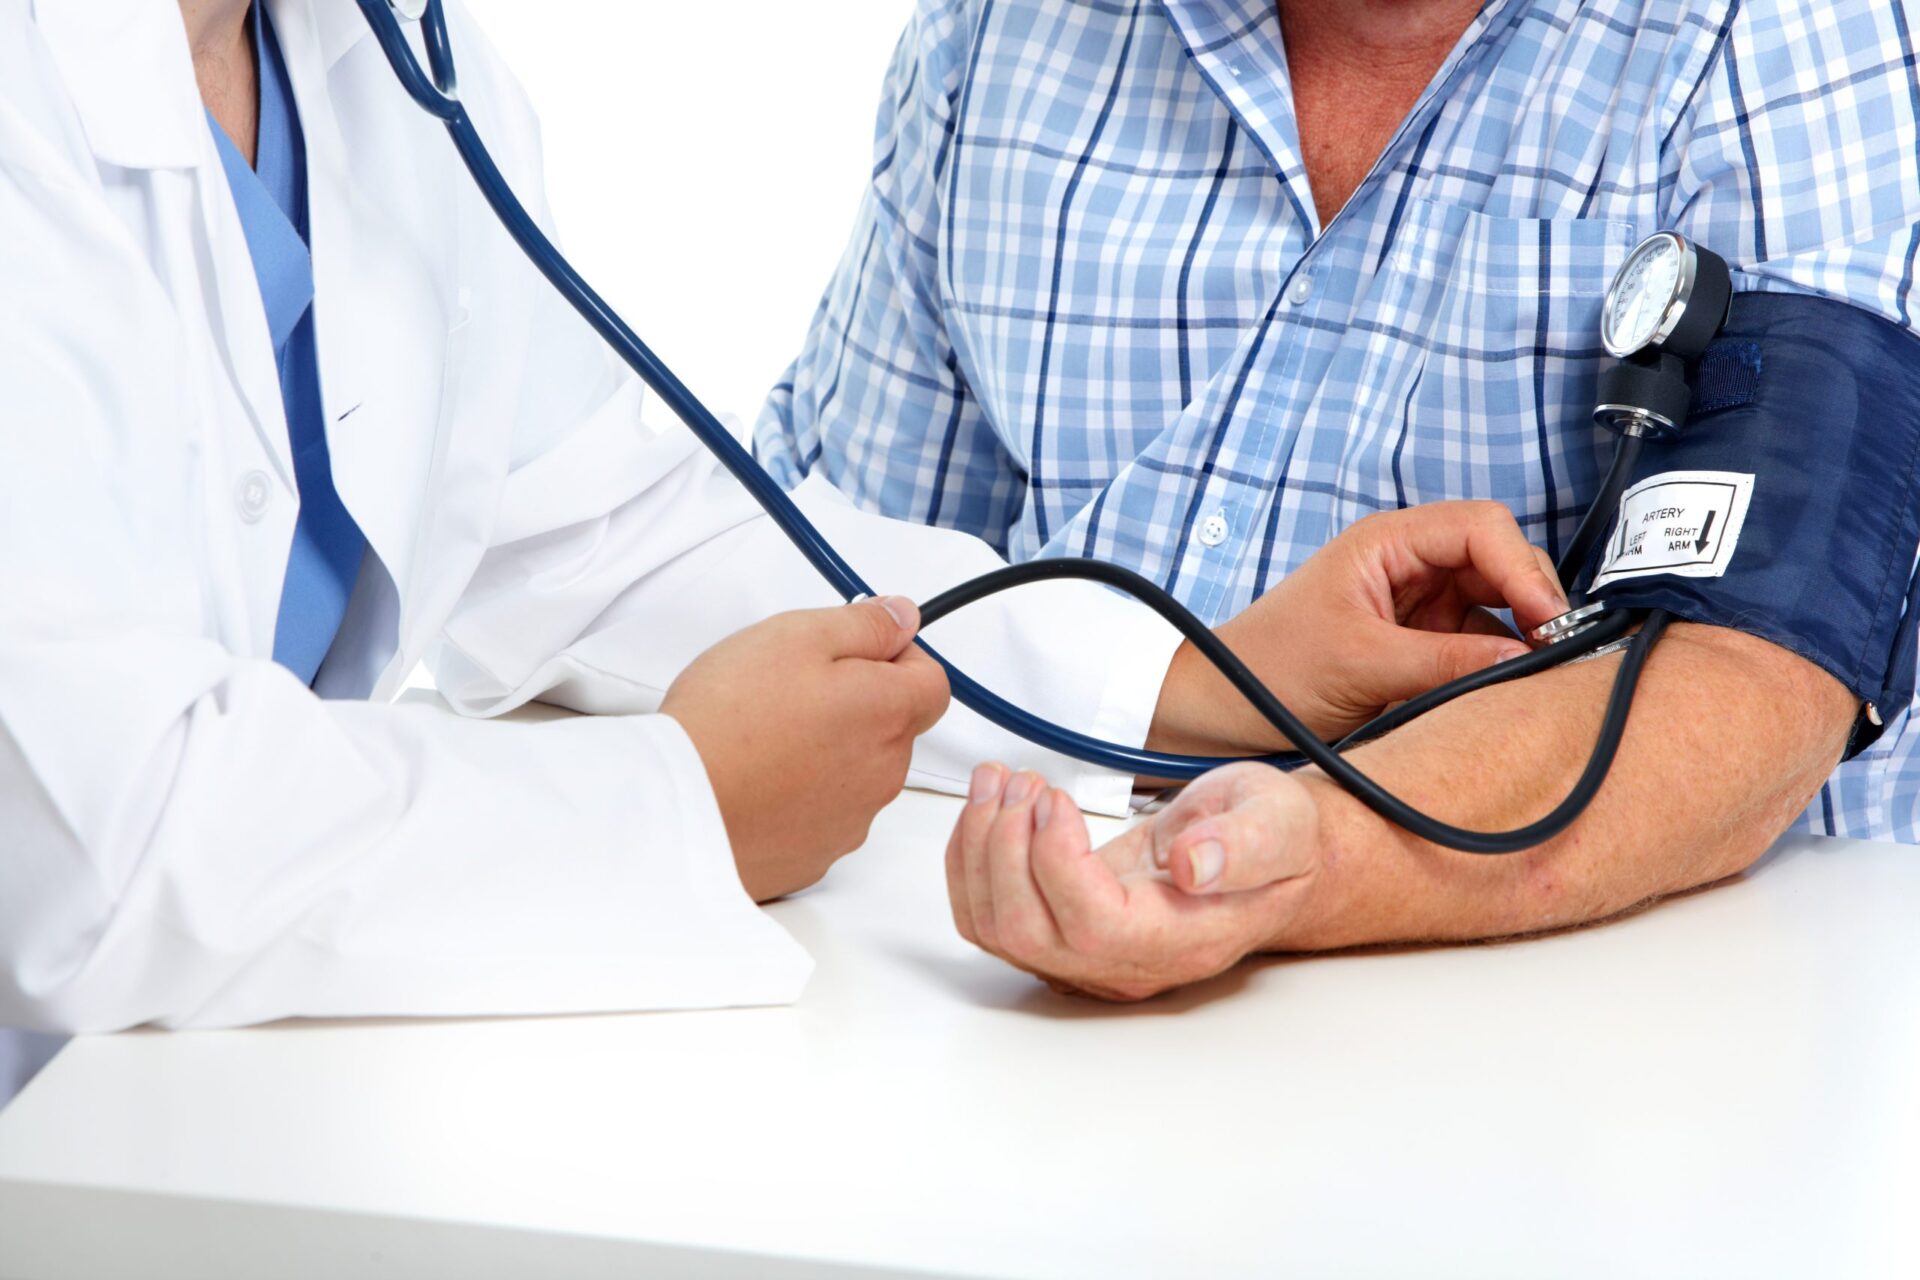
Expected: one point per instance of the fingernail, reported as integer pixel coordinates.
(904, 611)
(1160, 857)
(1042, 810)
(1508, 652)
(1208, 859)
(1020, 788)
(985, 784)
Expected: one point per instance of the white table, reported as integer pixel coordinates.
(1727, 1085)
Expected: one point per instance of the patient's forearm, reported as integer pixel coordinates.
(1729, 739)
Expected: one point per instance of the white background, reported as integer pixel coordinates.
(705, 161)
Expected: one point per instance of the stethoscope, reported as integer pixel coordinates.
(1664, 306)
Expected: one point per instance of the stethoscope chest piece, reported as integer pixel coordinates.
(1569, 624)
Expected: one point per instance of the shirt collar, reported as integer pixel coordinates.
(1239, 50)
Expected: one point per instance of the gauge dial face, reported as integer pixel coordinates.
(1642, 293)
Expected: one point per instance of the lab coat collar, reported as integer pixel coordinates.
(339, 25)
(128, 67)
(130, 73)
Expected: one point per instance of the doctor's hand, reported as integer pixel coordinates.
(1391, 608)
(805, 723)
(1182, 896)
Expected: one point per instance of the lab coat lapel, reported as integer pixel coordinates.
(240, 328)
(338, 25)
(130, 73)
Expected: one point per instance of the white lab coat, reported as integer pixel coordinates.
(188, 835)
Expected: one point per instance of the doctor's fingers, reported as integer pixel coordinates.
(1397, 663)
(878, 630)
(1482, 545)
(926, 685)
(1507, 571)
(904, 697)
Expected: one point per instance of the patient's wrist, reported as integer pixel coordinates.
(1328, 914)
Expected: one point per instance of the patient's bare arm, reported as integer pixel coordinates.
(1730, 738)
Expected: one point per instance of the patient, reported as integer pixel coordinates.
(1195, 284)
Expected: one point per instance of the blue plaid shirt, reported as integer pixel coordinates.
(1089, 308)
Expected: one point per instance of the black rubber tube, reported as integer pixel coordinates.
(1606, 628)
(1310, 748)
(1593, 526)
(442, 101)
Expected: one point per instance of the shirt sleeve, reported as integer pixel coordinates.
(878, 399)
(1797, 157)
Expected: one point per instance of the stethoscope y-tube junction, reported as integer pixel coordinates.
(439, 97)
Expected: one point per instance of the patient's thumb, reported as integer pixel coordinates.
(1267, 835)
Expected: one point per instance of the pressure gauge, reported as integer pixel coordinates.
(1668, 295)
(1664, 306)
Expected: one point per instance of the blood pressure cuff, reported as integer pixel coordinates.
(1788, 507)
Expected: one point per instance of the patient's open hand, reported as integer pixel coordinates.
(1179, 897)
(1389, 609)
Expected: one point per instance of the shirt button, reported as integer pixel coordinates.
(252, 495)
(1213, 530)
(1300, 290)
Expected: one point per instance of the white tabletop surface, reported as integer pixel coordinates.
(1725, 1085)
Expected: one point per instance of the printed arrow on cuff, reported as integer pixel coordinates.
(1705, 526)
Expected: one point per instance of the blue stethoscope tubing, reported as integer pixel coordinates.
(440, 98)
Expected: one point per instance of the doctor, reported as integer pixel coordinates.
(284, 414)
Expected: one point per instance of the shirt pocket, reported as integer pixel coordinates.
(1480, 345)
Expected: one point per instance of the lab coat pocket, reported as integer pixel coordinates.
(1482, 336)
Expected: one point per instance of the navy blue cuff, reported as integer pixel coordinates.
(1819, 402)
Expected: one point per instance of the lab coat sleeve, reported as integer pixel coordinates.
(877, 400)
(1070, 651)
(192, 838)
(621, 550)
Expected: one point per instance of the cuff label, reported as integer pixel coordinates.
(1682, 523)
